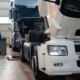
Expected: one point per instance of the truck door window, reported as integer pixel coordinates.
(73, 5)
(70, 8)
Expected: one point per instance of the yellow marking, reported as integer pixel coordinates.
(51, 10)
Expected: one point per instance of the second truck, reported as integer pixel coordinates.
(20, 10)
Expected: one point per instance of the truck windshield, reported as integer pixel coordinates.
(71, 8)
(27, 12)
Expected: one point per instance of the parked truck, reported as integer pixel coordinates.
(20, 9)
(53, 46)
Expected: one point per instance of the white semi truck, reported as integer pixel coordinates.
(55, 50)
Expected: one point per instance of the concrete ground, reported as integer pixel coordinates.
(13, 69)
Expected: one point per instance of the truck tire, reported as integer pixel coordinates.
(10, 46)
(34, 68)
(23, 59)
(13, 48)
(39, 75)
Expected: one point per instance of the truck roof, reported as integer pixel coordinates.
(28, 3)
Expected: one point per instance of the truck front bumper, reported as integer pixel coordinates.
(59, 65)
(62, 68)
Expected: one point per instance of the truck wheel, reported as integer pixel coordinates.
(60, 78)
(41, 76)
(23, 59)
(13, 48)
(34, 67)
(37, 73)
(10, 46)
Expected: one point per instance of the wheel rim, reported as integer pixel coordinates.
(35, 68)
(32, 65)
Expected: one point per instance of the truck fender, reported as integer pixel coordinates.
(41, 57)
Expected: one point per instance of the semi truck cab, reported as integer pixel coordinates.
(57, 51)
(20, 9)
(62, 50)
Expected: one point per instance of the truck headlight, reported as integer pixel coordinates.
(17, 40)
(57, 50)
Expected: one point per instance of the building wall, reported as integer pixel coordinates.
(4, 22)
(5, 31)
(4, 5)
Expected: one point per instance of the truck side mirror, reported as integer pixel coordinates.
(9, 28)
(53, 1)
(10, 14)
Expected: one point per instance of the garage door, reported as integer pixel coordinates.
(4, 5)
(4, 13)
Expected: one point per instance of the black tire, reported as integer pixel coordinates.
(60, 77)
(31, 55)
(13, 48)
(10, 46)
(34, 68)
(23, 59)
(37, 73)
(41, 75)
